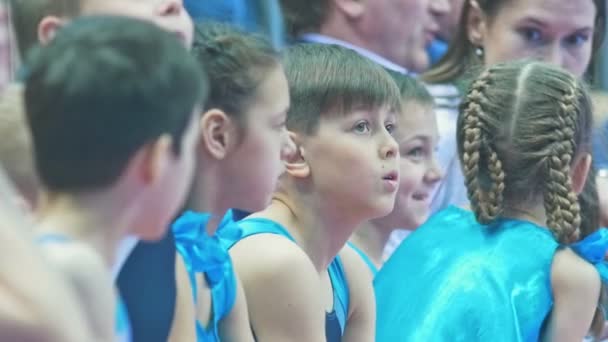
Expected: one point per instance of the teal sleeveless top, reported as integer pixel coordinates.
(335, 321)
(366, 259)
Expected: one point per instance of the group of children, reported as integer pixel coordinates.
(279, 179)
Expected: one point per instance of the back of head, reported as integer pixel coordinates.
(236, 63)
(521, 127)
(411, 89)
(304, 16)
(461, 58)
(27, 15)
(332, 80)
(100, 91)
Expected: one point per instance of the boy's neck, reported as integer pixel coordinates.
(371, 239)
(318, 230)
(99, 224)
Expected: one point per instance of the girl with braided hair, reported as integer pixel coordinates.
(513, 268)
(563, 33)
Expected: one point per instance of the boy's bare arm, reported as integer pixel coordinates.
(282, 289)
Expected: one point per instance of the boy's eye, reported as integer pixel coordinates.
(390, 128)
(362, 127)
(416, 152)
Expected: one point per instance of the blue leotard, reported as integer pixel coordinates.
(335, 321)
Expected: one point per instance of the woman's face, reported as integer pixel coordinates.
(555, 31)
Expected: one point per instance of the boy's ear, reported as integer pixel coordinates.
(48, 27)
(152, 160)
(352, 9)
(218, 133)
(296, 164)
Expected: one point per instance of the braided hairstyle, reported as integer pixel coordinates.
(522, 125)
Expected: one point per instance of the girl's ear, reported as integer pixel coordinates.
(218, 133)
(580, 172)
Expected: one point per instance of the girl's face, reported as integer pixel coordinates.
(555, 31)
(417, 136)
(252, 169)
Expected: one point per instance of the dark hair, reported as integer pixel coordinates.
(333, 80)
(521, 126)
(26, 15)
(304, 16)
(236, 64)
(460, 57)
(410, 88)
(100, 91)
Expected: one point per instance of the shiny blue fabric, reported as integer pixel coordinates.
(456, 280)
(335, 321)
(206, 254)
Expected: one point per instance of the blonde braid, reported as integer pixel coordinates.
(494, 201)
(561, 203)
(487, 206)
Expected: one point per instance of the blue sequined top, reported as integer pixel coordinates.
(206, 255)
(456, 280)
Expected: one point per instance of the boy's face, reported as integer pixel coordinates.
(173, 177)
(354, 163)
(168, 14)
(417, 137)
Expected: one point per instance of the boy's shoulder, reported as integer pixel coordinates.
(268, 258)
(270, 251)
(86, 272)
(282, 287)
(74, 258)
